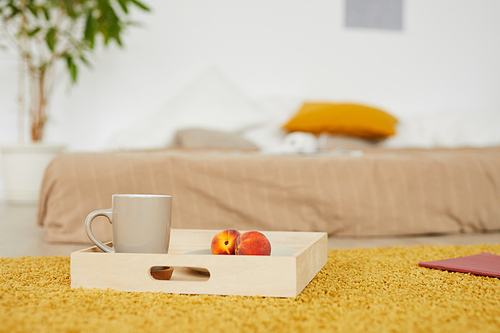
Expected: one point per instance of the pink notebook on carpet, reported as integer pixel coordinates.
(487, 264)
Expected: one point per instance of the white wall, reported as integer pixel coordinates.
(446, 57)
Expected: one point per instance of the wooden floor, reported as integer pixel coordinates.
(20, 236)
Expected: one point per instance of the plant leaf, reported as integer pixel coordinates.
(14, 12)
(72, 69)
(69, 8)
(33, 10)
(90, 30)
(123, 5)
(119, 40)
(140, 5)
(34, 31)
(50, 38)
(133, 24)
(85, 62)
(46, 13)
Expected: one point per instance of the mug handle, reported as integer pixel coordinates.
(108, 213)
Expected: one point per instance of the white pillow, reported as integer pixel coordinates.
(278, 109)
(209, 102)
(449, 129)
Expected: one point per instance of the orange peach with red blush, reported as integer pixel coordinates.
(224, 242)
(253, 243)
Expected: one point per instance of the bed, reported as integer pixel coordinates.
(381, 192)
(242, 170)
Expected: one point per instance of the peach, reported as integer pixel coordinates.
(253, 243)
(224, 242)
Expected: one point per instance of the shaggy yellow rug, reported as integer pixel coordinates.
(360, 290)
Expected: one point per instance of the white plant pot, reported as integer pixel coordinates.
(23, 168)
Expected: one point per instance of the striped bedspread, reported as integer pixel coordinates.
(383, 192)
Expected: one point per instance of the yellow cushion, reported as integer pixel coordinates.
(345, 119)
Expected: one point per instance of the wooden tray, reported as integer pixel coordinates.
(278, 276)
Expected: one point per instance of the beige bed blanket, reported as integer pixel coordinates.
(383, 192)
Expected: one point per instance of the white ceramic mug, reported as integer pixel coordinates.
(140, 223)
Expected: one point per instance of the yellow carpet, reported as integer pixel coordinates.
(360, 290)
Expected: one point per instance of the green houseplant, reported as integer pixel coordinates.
(50, 37)
(52, 32)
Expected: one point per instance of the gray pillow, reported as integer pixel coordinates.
(205, 138)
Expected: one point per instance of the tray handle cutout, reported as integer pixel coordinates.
(179, 273)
